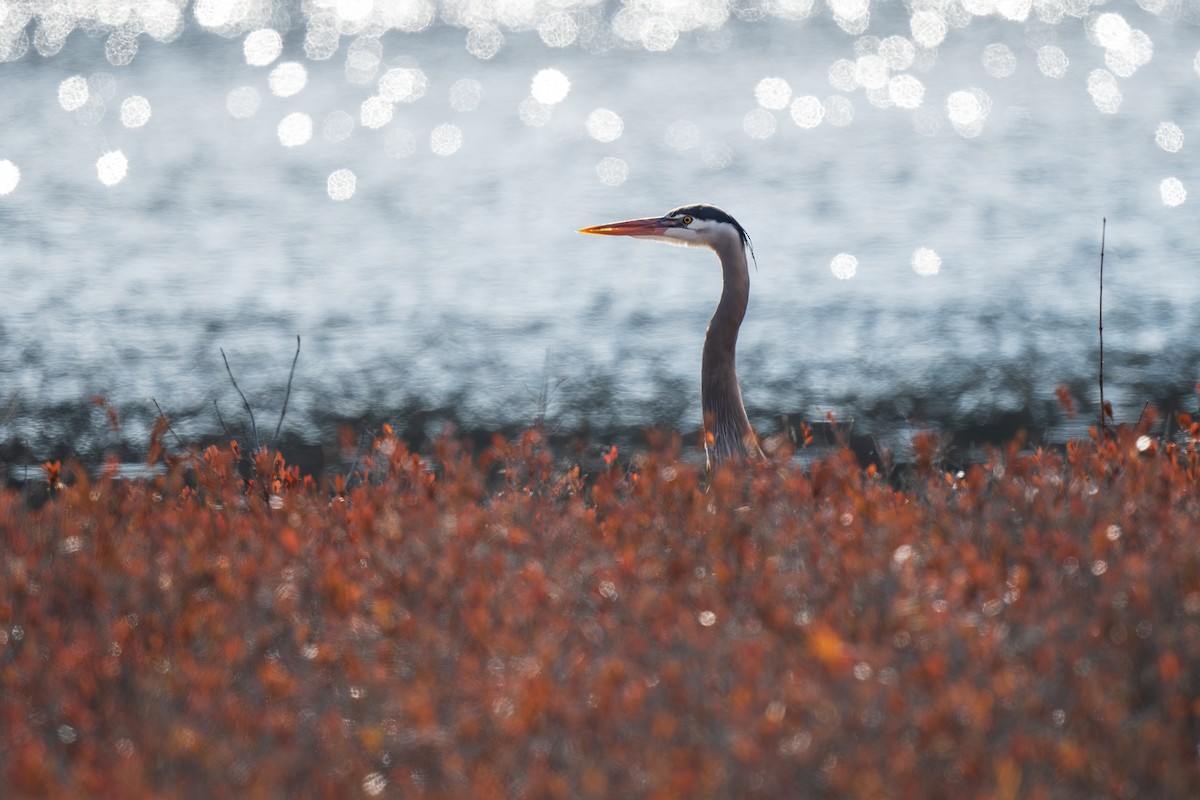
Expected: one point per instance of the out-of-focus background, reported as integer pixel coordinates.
(400, 183)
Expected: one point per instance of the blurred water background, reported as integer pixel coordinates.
(400, 183)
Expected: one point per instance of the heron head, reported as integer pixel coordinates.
(691, 226)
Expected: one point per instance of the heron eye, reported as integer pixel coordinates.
(687, 220)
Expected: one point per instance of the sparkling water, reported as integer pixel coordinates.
(400, 184)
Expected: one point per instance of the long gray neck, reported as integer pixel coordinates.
(728, 431)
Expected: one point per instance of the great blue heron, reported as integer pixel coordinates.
(727, 431)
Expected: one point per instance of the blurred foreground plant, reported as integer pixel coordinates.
(496, 623)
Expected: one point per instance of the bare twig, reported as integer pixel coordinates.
(172, 430)
(1103, 231)
(245, 402)
(288, 395)
(221, 419)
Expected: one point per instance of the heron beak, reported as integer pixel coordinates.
(651, 226)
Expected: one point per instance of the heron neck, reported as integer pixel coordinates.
(725, 420)
(721, 340)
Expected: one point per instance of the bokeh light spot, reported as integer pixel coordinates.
(403, 84)
(612, 171)
(288, 79)
(773, 93)
(243, 102)
(968, 110)
(999, 61)
(871, 72)
(844, 266)
(484, 41)
(897, 52)
(533, 113)
(375, 112)
(341, 184)
(839, 111)
(716, 155)
(1052, 61)
(807, 111)
(906, 91)
(1169, 137)
(295, 129)
(73, 92)
(1102, 86)
(558, 30)
(135, 111)
(400, 143)
(928, 28)
(262, 46)
(659, 34)
(446, 139)
(466, 94)
(10, 176)
(1172, 191)
(337, 126)
(759, 124)
(843, 75)
(926, 262)
(604, 125)
(550, 87)
(112, 167)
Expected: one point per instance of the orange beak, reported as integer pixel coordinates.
(650, 226)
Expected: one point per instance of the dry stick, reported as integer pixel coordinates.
(221, 419)
(1103, 230)
(288, 395)
(172, 430)
(245, 402)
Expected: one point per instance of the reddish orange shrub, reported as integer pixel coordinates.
(500, 626)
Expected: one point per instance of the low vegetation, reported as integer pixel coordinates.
(492, 624)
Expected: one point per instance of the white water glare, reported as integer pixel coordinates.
(287, 79)
(261, 47)
(10, 176)
(446, 139)
(604, 125)
(73, 92)
(403, 85)
(243, 102)
(111, 167)
(844, 266)
(1169, 137)
(295, 129)
(926, 262)
(466, 94)
(928, 28)
(612, 171)
(337, 126)
(1172, 192)
(375, 112)
(135, 111)
(773, 93)
(807, 111)
(759, 124)
(341, 184)
(1052, 61)
(967, 110)
(549, 87)
(999, 60)
(1102, 86)
(558, 30)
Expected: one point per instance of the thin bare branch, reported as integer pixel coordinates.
(245, 402)
(288, 395)
(172, 430)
